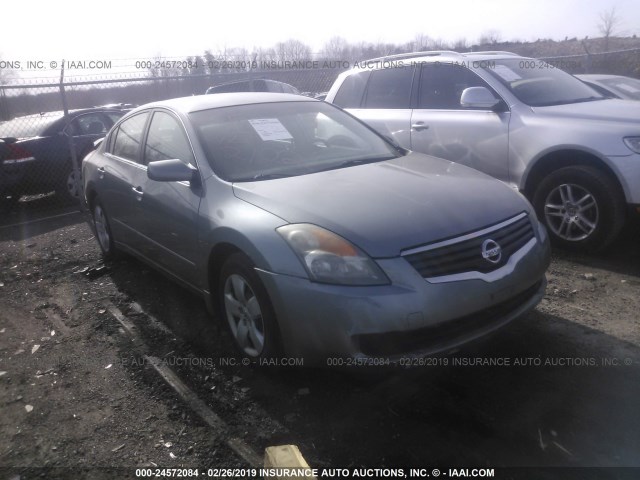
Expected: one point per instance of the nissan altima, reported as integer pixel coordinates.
(312, 235)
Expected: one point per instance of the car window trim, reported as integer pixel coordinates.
(175, 116)
(116, 130)
(461, 109)
(125, 160)
(363, 101)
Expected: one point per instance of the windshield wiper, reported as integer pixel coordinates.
(354, 162)
(268, 176)
(587, 99)
(569, 102)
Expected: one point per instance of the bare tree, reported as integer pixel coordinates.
(293, 50)
(420, 43)
(490, 37)
(195, 65)
(209, 60)
(337, 48)
(439, 44)
(608, 23)
(158, 67)
(460, 45)
(262, 56)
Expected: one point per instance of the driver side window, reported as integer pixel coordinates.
(167, 140)
(441, 86)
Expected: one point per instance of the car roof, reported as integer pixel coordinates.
(59, 113)
(205, 102)
(598, 76)
(437, 56)
(41, 123)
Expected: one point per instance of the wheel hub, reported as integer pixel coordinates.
(244, 315)
(571, 212)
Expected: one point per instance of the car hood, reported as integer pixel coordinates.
(389, 206)
(598, 110)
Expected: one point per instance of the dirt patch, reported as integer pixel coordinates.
(76, 392)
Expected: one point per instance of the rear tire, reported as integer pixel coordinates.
(69, 188)
(103, 233)
(247, 311)
(581, 206)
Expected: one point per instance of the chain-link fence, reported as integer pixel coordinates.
(46, 129)
(623, 62)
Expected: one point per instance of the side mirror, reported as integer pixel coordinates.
(478, 97)
(170, 171)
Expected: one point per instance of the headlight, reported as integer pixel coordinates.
(633, 143)
(329, 258)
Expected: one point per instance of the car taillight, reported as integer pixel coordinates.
(17, 154)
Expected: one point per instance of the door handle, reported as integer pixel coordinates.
(419, 126)
(138, 192)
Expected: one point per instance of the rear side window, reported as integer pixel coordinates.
(167, 140)
(114, 116)
(128, 138)
(88, 124)
(351, 91)
(441, 86)
(390, 88)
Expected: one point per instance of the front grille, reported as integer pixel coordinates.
(465, 255)
(398, 343)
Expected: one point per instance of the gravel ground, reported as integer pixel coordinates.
(76, 392)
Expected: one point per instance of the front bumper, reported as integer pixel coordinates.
(411, 317)
(627, 169)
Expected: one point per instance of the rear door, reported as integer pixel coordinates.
(386, 103)
(121, 178)
(440, 126)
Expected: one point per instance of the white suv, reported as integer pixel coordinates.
(573, 152)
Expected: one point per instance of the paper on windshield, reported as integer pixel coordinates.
(270, 129)
(506, 73)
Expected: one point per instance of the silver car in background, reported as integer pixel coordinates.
(314, 236)
(572, 151)
(615, 86)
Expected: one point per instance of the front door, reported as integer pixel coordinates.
(440, 126)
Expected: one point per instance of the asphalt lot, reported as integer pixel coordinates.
(558, 388)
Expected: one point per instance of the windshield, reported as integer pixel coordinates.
(625, 87)
(272, 140)
(539, 84)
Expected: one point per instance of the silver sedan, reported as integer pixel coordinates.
(313, 236)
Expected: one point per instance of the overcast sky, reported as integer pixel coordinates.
(126, 29)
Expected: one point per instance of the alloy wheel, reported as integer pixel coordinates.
(571, 212)
(102, 231)
(244, 315)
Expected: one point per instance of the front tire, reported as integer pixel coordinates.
(582, 207)
(246, 309)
